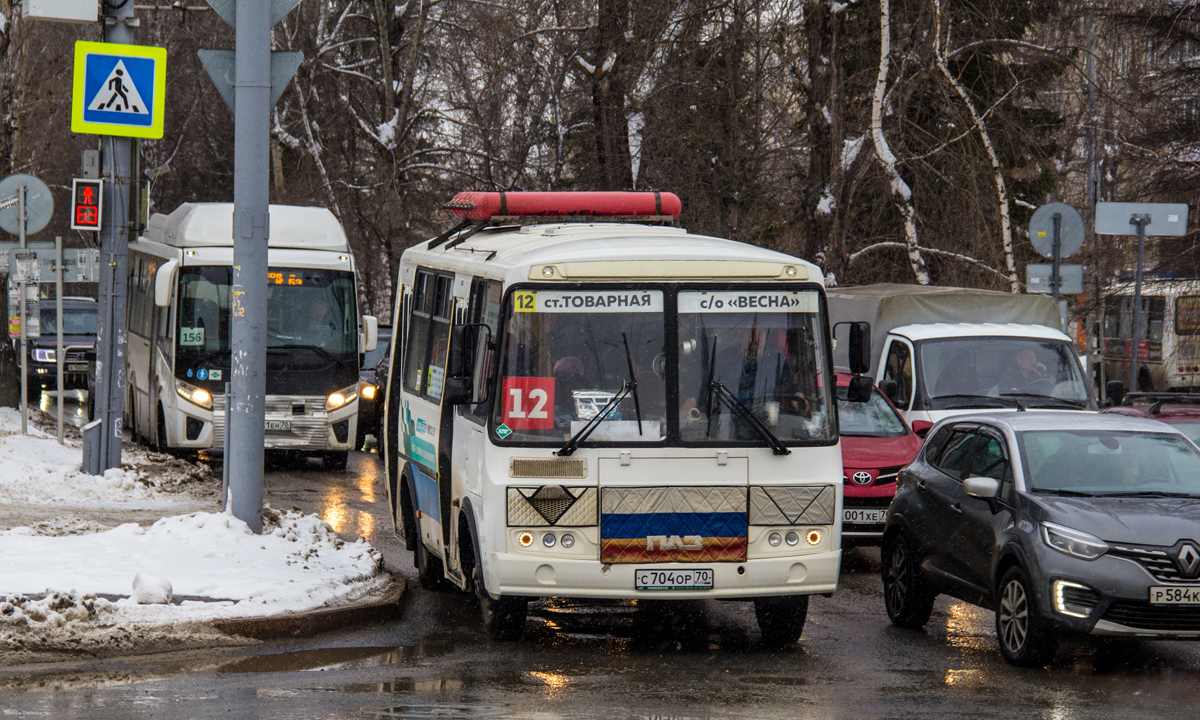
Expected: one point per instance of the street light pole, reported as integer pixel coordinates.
(1140, 221)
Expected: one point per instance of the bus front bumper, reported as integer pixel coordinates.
(316, 431)
(558, 577)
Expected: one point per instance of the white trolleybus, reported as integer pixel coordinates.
(179, 306)
(612, 410)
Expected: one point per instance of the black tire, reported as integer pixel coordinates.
(160, 432)
(430, 571)
(335, 460)
(781, 619)
(503, 617)
(1021, 632)
(908, 599)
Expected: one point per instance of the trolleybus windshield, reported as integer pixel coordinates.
(567, 354)
(311, 320)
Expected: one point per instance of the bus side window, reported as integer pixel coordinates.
(440, 336)
(484, 308)
(417, 348)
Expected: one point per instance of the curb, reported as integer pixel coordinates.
(315, 622)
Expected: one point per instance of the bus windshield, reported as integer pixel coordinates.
(566, 356)
(311, 319)
(752, 352)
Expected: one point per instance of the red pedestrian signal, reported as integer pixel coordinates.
(85, 204)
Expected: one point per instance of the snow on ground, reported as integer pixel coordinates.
(36, 470)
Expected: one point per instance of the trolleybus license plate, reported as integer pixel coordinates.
(852, 515)
(284, 425)
(693, 579)
(1174, 595)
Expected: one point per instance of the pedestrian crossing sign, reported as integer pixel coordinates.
(119, 90)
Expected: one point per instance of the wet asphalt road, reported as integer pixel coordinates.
(615, 660)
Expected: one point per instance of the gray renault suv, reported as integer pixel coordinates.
(1063, 523)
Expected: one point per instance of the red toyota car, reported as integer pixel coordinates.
(876, 443)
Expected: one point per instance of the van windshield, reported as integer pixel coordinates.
(996, 371)
(565, 356)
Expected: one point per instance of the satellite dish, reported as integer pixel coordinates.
(39, 204)
(1041, 230)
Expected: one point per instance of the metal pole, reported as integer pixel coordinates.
(1054, 283)
(225, 453)
(246, 417)
(24, 317)
(114, 243)
(1140, 221)
(59, 356)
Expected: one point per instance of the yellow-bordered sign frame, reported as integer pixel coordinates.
(84, 50)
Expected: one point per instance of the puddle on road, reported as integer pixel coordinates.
(430, 686)
(348, 658)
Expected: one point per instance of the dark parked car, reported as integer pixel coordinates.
(876, 444)
(1063, 523)
(79, 343)
(369, 390)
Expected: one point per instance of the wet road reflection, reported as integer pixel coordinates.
(74, 406)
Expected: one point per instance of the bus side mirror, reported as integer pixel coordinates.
(164, 283)
(860, 347)
(859, 390)
(370, 334)
(1115, 391)
(467, 364)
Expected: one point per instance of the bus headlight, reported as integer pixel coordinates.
(341, 397)
(195, 395)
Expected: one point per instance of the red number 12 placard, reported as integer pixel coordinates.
(528, 403)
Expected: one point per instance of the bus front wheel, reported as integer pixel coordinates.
(781, 618)
(503, 617)
(335, 460)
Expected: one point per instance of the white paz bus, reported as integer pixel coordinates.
(612, 409)
(178, 361)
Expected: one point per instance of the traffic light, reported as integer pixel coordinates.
(85, 204)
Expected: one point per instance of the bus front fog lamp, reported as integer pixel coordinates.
(774, 539)
(792, 538)
(195, 395)
(548, 539)
(567, 540)
(813, 537)
(525, 538)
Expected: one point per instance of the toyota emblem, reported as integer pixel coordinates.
(861, 477)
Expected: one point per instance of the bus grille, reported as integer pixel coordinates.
(310, 431)
(673, 524)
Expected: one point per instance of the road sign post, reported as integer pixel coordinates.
(1163, 219)
(1056, 231)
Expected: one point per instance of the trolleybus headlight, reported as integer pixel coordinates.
(791, 538)
(341, 397)
(548, 539)
(813, 537)
(525, 538)
(774, 539)
(193, 394)
(567, 540)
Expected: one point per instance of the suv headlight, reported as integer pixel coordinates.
(341, 397)
(1073, 542)
(44, 355)
(195, 395)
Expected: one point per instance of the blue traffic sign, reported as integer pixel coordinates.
(119, 90)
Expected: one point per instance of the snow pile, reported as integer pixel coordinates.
(39, 471)
(210, 566)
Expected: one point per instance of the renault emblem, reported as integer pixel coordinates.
(1188, 560)
(861, 478)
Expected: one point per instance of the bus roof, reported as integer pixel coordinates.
(194, 225)
(606, 251)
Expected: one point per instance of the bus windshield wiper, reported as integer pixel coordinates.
(1003, 401)
(1070, 403)
(737, 406)
(280, 349)
(583, 433)
(637, 405)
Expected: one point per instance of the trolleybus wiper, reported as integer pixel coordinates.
(737, 406)
(579, 437)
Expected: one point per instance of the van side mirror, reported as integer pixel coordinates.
(467, 364)
(891, 389)
(164, 283)
(860, 389)
(860, 347)
(1115, 389)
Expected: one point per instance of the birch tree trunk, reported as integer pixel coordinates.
(1006, 240)
(901, 193)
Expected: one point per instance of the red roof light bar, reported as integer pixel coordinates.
(486, 205)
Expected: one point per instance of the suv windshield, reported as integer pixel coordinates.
(870, 419)
(566, 353)
(966, 372)
(75, 321)
(1105, 463)
(765, 348)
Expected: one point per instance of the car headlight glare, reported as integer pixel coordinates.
(1073, 542)
(341, 398)
(368, 392)
(44, 355)
(195, 395)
